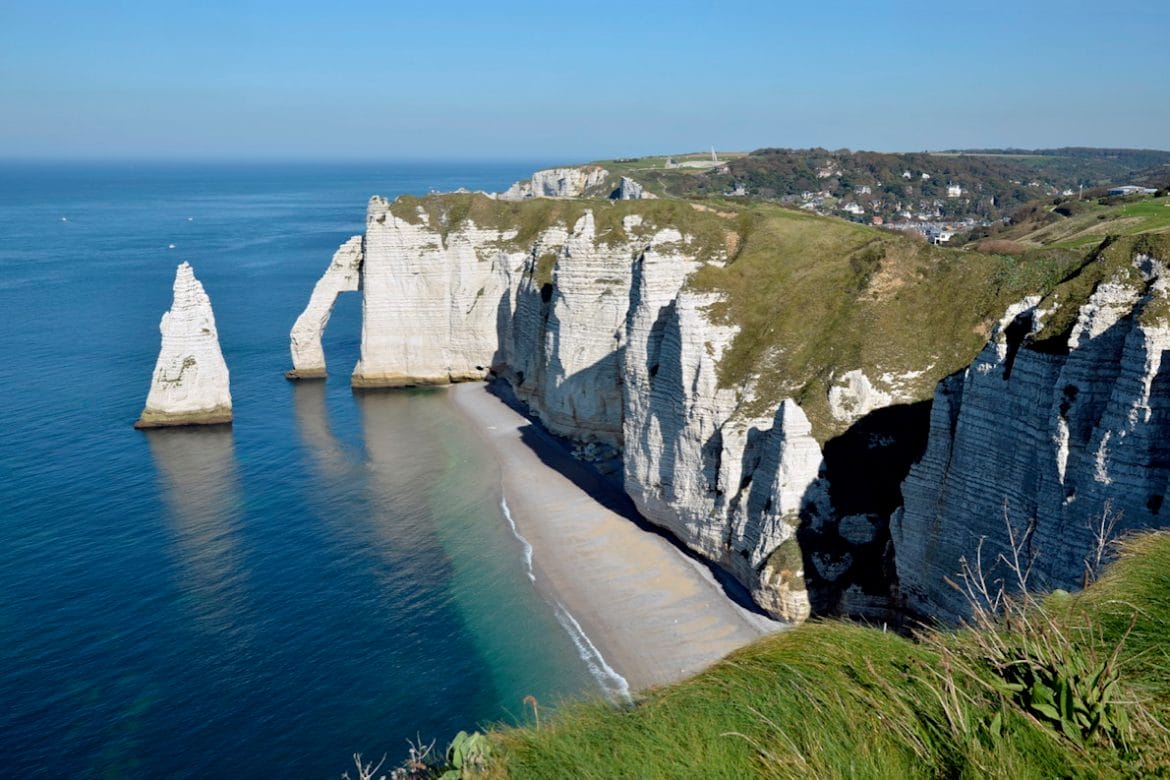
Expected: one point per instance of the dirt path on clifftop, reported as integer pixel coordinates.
(653, 614)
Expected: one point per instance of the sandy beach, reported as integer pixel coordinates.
(642, 611)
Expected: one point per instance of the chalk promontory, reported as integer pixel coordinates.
(190, 382)
(342, 275)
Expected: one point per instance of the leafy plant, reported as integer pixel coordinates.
(1055, 667)
(466, 755)
(1065, 685)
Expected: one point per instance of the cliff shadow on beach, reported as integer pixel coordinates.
(555, 452)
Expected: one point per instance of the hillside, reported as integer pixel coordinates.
(990, 184)
(1074, 223)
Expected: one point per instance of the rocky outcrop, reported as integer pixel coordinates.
(190, 382)
(1057, 439)
(558, 183)
(628, 189)
(430, 308)
(614, 322)
(596, 330)
(342, 275)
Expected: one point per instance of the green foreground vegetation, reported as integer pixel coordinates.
(1075, 686)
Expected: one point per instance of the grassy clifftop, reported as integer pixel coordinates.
(838, 700)
(813, 297)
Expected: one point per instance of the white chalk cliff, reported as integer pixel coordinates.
(342, 275)
(557, 183)
(593, 315)
(1061, 439)
(601, 338)
(628, 189)
(190, 382)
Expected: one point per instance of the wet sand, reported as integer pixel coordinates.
(651, 613)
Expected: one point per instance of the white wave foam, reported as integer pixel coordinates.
(518, 535)
(616, 686)
(612, 683)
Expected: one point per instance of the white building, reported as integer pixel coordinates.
(1129, 189)
(954, 191)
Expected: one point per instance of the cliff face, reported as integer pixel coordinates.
(593, 327)
(558, 183)
(1060, 434)
(429, 309)
(342, 275)
(190, 381)
(765, 376)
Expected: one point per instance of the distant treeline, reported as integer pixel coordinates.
(992, 183)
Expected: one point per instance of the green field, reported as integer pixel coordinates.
(1094, 223)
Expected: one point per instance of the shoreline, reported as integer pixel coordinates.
(640, 610)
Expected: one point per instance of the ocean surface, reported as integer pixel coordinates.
(332, 574)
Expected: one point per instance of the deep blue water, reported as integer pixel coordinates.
(332, 574)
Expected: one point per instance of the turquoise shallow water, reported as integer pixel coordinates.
(332, 574)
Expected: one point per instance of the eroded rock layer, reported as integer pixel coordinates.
(558, 183)
(190, 381)
(597, 333)
(1058, 441)
(342, 275)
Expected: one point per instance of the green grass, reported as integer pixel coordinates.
(816, 297)
(1112, 259)
(838, 700)
(528, 218)
(1087, 229)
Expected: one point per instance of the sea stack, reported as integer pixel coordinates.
(342, 275)
(190, 383)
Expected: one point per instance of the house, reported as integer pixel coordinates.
(864, 189)
(906, 175)
(853, 208)
(926, 177)
(954, 191)
(937, 235)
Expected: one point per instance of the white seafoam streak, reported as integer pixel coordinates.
(612, 683)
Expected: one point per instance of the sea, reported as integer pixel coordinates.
(333, 574)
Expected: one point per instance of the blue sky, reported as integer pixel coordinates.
(384, 79)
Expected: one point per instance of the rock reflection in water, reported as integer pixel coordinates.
(201, 488)
(316, 436)
(403, 459)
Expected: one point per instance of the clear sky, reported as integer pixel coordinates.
(575, 81)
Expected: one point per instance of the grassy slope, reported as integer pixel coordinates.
(1088, 228)
(837, 700)
(816, 297)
